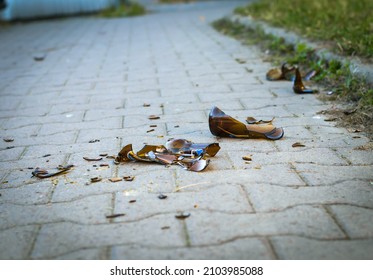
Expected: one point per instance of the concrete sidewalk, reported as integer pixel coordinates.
(86, 98)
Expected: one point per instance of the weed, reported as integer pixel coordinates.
(124, 9)
(346, 24)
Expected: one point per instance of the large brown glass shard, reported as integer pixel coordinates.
(42, 173)
(298, 86)
(285, 73)
(225, 126)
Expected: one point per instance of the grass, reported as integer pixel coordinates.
(125, 9)
(347, 25)
(332, 75)
(175, 1)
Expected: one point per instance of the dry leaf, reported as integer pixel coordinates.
(330, 119)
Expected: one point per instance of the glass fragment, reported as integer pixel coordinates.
(225, 126)
(190, 156)
(298, 86)
(42, 173)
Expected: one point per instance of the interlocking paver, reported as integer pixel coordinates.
(21, 240)
(267, 198)
(243, 248)
(288, 247)
(287, 203)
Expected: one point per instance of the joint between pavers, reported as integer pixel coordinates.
(334, 218)
(247, 196)
(342, 157)
(272, 250)
(33, 242)
(186, 233)
(303, 179)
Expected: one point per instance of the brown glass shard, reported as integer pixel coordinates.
(129, 178)
(183, 146)
(43, 173)
(298, 86)
(154, 117)
(96, 179)
(283, 73)
(115, 216)
(225, 126)
(182, 216)
(115, 179)
(252, 120)
(247, 158)
(162, 196)
(298, 144)
(92, 159)
(199, 165)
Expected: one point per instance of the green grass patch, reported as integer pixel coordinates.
(333, 75)
(124, 9)
(175, 1)
(346, 24)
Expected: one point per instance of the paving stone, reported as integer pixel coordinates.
(305, 221)
(357, 221)
(356, 157)
(27, 165)
(299, 248)
(317, 156)
(35, 193)
(272, 174)
(90, 210)
(243, 249)
(231, 196)
(62, 238)
(11, 153)
(84, 254)
(328, 175)
(21, 240)
(111, 122)
(267, 198)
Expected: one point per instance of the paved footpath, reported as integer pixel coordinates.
(86, 97)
